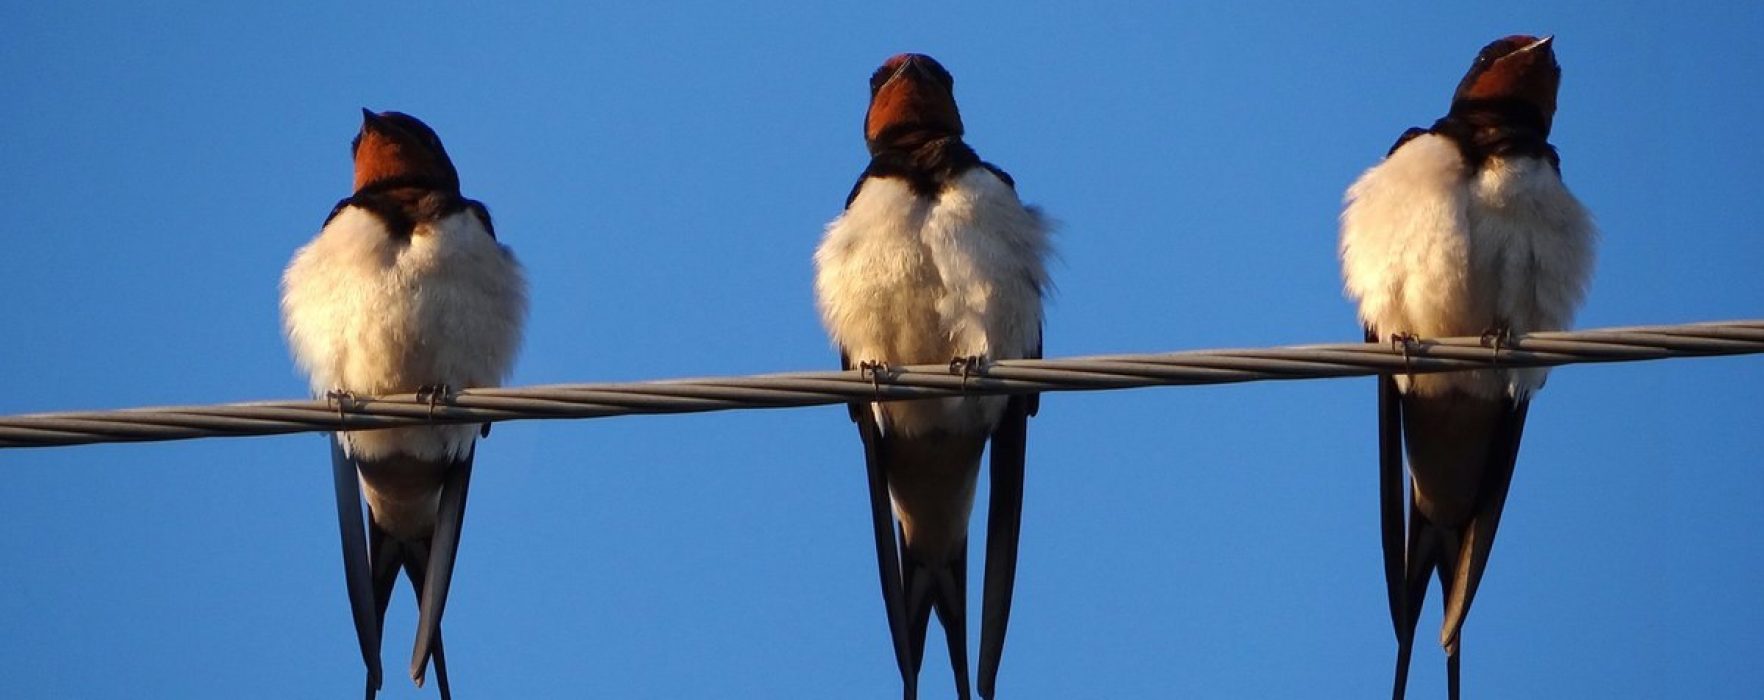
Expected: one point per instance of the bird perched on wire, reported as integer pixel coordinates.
(405, 289)
(1465, 228)
(935, 260)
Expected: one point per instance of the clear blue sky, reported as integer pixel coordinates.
(664, 173)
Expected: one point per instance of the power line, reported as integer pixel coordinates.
(893, 383)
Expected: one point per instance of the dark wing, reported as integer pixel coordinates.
(1479, 537)
(1408, 556)
(1410, 135)
(856, 187)
(882, 521)
(415, 563)
(341, 205)
(1004, 524)
(1463, 449)
(1002, 175)
(357, 574)
(1390, 489)
(438, 569)
(483, 213)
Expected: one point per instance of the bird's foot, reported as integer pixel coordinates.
(967, 366)
(1497, 337)
(874, 371)
(340, 399)
(435, 395)
(1406, 342)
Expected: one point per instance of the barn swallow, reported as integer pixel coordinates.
(1465, 228)
(404, 290)
(935, 260)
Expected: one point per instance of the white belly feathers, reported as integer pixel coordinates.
(905, 279)
(1431, 249)
(368, 314)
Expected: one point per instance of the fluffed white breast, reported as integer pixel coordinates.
(905, 279)
(1432, 249)
(370, 314)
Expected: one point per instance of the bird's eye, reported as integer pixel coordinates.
(877, 79)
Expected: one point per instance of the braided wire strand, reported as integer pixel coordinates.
(797, 389)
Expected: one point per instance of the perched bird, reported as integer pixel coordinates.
(1464, 229)
(935, 260)
(404, 290)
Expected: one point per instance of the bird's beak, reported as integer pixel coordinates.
(1540, 44)
(918, 66)
(913, 64)
(897, 73)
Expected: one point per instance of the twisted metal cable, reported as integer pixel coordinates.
(891, 383)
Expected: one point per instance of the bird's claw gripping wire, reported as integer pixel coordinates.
(434, 394)
(967, 366)
(873, 370)
(340, 399)
(1497, 337)
(1405, 341)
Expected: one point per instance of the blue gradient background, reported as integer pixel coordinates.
(664, 173)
